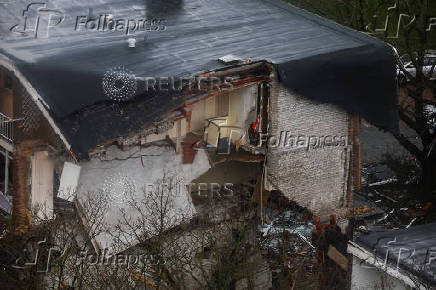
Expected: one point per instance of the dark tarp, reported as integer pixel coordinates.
(412, 249)
(315, 57)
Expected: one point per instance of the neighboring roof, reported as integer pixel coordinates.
(315, 57)
(413, 249)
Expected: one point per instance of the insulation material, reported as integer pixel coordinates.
(313, 176)
(69, 180)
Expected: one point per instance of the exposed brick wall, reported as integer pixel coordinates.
(32, 132)
(316, 178)
(22, 178)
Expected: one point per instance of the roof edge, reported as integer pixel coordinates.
(379, 263)
(7, 63)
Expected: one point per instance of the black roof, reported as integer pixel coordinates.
(315, 57)
(412, 249)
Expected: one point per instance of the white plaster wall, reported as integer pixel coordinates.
(120, 174)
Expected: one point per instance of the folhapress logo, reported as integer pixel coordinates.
(37, 20)
(41, 262)
(394, 21)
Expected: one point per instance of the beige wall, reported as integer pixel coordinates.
(42, 183)
(237, 107)
(242, 110)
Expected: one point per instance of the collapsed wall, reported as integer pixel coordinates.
(309, 152)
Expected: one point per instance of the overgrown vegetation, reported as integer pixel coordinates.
(410, 26)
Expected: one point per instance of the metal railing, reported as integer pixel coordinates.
(6, 126)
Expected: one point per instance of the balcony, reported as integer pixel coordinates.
(6, 126)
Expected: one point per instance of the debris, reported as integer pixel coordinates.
(336, 256)
(411, 222)
(363, 209)
(378, 175)
(385, 216)
(427, 206)
(363, 229)
(387, 181)
(230, 59)
(304, 239)
(384, 196)
(287, 231)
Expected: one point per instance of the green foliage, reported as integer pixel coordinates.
(410, 26)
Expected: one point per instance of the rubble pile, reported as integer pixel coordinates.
(286, 242)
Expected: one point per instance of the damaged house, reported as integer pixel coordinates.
(85, 108)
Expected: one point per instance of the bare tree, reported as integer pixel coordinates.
(409, 25)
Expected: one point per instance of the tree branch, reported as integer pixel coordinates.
(410, 147)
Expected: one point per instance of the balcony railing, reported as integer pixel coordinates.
(6, 126)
